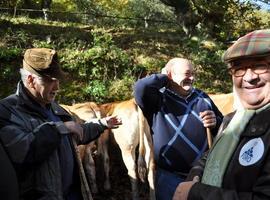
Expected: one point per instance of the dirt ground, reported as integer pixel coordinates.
(121, 188)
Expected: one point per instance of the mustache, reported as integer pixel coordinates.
(184, 82)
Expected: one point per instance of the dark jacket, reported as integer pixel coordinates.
(178, 132)
(8, 182)
(248, 173)
(32, 141)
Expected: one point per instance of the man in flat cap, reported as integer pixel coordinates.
(238, 165)
(39, 136)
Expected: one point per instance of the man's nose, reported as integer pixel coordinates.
(250, 75)
(191, 77)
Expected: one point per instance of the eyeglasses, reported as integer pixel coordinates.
(259, 68)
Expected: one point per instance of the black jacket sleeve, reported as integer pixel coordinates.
(30, 148)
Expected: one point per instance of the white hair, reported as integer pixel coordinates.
(24, 75)
(175, 61)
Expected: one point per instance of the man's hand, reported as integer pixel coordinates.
(182, 190)
(75, 129)
(113, 121)
(208, 118)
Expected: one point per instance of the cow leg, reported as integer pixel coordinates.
(149, 156)
(151, 173)
(128, 156)
(90, 169)
(103, 152)
(151, 179)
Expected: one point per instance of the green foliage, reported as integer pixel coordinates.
(64, 5)
(95, 64)
(211, 73)
(9, 74)
(103, 63)
(99, 65)
(220, 19)
(96, 89)
(121, 89)
(9, 53)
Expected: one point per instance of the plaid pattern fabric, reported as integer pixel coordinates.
(254, 44)
(179, 135)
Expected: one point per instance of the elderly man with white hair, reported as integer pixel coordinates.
(40, 137)
(178, 115)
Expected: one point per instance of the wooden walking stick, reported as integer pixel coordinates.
(209, 137)
(86, 192)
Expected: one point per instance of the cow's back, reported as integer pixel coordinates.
(224, 102)
(125, 134)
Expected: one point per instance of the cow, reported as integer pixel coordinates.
(224, 102)
(133, 132)
(84, 112)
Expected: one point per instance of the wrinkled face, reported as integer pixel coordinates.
(183, 75)
(251, 78)
(44, 89)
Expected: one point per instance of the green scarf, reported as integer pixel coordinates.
(222, 150)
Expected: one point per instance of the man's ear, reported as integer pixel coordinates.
(167, 71)
(30, 81)
(164, 70)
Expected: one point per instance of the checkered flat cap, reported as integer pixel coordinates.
(253, 44)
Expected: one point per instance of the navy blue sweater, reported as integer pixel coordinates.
(178, 133)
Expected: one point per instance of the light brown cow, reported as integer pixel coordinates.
(224, 102)
(134, 131)
(84, 112)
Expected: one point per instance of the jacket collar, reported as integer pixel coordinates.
(258, 124)
(165, 90)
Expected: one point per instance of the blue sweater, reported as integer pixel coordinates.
(178, 133)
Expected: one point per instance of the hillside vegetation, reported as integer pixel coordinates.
(104, 55)
(103, 64)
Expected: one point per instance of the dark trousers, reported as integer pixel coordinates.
(165, 184)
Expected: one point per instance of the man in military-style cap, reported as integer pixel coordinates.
(39, 136)
(238, 165)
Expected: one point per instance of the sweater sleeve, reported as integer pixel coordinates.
(146, 91)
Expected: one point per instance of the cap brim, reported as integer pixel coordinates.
(55, 74)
